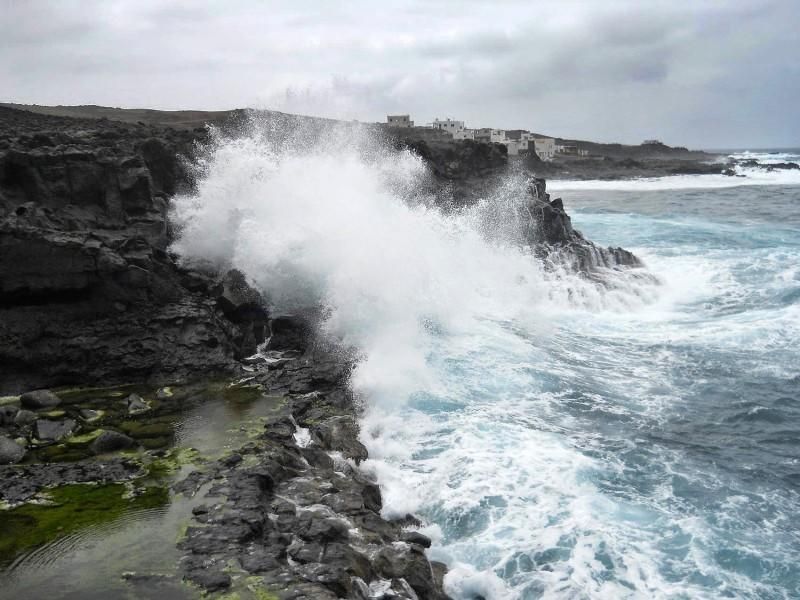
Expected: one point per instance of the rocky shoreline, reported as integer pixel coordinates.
(90, 295)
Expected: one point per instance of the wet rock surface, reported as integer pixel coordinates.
(22, 483)
(550, 231)
(39, 399)
(10, 451)
(111, 441)
(292, 507)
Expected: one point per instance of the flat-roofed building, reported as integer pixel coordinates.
(399, 121)
(545, 148)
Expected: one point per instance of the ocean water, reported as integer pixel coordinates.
(559, 438)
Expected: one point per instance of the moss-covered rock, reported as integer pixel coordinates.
(68, 509)
(145, 429)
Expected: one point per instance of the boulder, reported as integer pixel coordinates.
(89, 415)
(24, 417)
(38, 399)
(341, 434)
(8, 415)
(111, 441)
(415, 537)
(10, 451)
(46, 430)
(402, 561)
(136, 404)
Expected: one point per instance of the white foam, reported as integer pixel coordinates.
(744, 177)
(461, 331)
(342, 223)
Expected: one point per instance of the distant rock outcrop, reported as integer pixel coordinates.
(550, 231)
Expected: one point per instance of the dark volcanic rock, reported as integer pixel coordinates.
(10, 451)
(244, 306)
(24, 417)
(136, 404)
(289, 332)
(88, 291)
(23, 482)
(8, 415)
(51, 431)
(309, 526)
(111, 441)
(550, 232)
(461, 160)
(39, 399)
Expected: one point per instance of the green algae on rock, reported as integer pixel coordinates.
(69, 509)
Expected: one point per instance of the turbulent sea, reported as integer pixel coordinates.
(559, 438)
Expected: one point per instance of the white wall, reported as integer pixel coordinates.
(498, 136)
(545, 148)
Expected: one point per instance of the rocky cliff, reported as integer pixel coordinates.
(550, 231)
(88, 291)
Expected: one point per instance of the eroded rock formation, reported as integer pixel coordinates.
(88, 291)
(550, 231)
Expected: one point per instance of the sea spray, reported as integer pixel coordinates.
(456, 321)
(345, 223)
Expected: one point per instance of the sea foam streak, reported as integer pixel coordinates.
(745, 176)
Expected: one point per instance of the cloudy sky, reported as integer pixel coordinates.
(703, 73)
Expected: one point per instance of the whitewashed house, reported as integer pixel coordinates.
(448, 125)
(399, 121)
(516, 147)
(545, 148)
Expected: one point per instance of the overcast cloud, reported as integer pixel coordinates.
(692, 72)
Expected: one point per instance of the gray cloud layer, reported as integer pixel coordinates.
(704, 73)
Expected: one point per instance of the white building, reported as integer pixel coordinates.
(487, 134)
(399, 121)
(545, 148)
(464, 134)
(571, 149)
(448, 125)
(514, 147)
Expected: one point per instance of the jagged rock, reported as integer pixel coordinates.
(289, 332)
(460, 160)
(39, 399)
(550, 232)
(111, 441)
(309, 527)
(22, 482)
(243, 305)
(211, 580)
(258, 561)
(10, 451)
(415, 537)
(341, 434)
(50, 431)
(401, 561)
